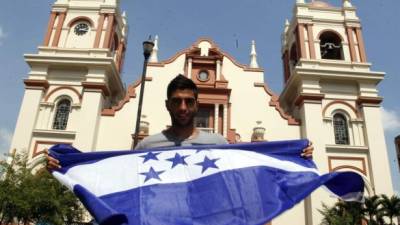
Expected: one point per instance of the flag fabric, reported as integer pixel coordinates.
(240, 184)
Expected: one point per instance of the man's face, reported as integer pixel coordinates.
(182, 107)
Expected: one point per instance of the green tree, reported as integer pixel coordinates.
(342, 213)
(373, 209)
(34, 198)
(390, 207)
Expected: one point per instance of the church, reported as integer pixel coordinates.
(74, 93)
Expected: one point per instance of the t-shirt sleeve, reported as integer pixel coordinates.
(219, 139)
(140, 145)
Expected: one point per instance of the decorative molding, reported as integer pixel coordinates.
(32, 83)
(76, 19)
(214, 47)
(330, 30)
(343, 103)
(48, 95)
(96, 86)
(308, 97)
(362, 170)
(130, 93)
(275, 103)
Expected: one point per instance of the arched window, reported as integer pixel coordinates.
(331, 46)
(340, 129)
(62, 112)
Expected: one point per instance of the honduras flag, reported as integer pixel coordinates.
(240, 184)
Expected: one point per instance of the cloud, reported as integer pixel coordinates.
(2, 35)
(390, 120)
(5, 140)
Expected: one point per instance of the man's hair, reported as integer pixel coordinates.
(181, 82)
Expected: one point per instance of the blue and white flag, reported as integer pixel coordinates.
(241, 184)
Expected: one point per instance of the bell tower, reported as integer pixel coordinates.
(75, 74)
(330, 87)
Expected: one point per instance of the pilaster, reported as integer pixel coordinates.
(90, 113)
(28, 114)
(377, 148)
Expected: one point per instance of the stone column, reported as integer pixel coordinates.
(225, 119)
(216, 115)
(190, 68)
(218, 70)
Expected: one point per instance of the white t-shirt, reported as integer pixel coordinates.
(161, 140)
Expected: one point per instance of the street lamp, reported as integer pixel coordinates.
(147, 49)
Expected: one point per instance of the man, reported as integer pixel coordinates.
(182, 105)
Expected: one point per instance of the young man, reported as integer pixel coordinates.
(182, 106)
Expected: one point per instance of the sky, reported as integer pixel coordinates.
(232, 24)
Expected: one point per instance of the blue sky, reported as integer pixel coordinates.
(232, 24)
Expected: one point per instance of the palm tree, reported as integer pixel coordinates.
(342, 213)
(372, 209)
(390, 206)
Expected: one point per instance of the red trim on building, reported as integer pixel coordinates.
(275, 103)
(308, 96)
(109, 32)
(35, 151)
(330, 30)
(341, 102)
(300, 38)
(99, 31)
(29, 83)
(361, 46)
(350, 38)
(362, 170)
(96, 86)
(80, 18)
(61, 88)
(369, 100)
(61, 19)
(50, 27)
(130, 93)
(310, 35)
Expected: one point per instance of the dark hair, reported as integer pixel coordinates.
(181, 82)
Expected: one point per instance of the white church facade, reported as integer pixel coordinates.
(74, 93)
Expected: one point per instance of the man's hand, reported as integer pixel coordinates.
(308, 152)
(51, 163)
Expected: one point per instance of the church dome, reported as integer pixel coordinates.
(320, 4)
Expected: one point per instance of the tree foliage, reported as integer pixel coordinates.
(376, 210)
(34, 198)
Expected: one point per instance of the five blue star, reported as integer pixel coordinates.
(149, 156)
(178, 159)
(152, 174)
(208, 163)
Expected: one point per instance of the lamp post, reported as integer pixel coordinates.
(147, 49)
